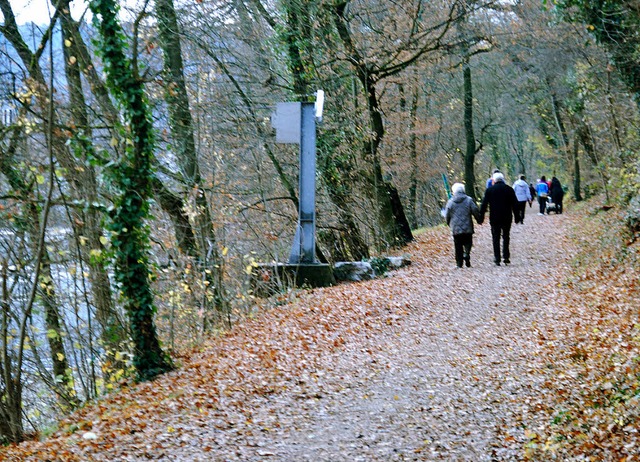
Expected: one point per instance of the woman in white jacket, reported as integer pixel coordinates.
(523, 193)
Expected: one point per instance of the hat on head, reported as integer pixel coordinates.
(457, 187)
(498, 177)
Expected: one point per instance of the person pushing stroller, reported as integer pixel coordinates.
(556, 192)
(542, 191)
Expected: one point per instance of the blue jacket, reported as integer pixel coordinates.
(542, 188)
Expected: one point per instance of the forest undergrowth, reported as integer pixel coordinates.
(592, 408)
(391, 369)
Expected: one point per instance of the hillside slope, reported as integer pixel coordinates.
(528, 361)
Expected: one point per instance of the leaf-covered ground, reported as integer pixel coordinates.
(534, 361)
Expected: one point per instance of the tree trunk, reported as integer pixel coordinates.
(557, 113)
(395, 228)
(470, 152)
(413, 153)
(615, 126)
(40, 89)
(133, 178)
(393, 221)
(11, 426)
(586, 141)
(297, 37)
(576, 171)
(45, 288)
(171, 204)
(336, 171)
(88, 225)
(183, 135)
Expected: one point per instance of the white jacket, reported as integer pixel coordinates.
(522, 190)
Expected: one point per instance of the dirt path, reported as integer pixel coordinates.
(430, 363)
(448, 381)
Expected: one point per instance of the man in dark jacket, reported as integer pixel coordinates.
(458, 213)
(502, 203)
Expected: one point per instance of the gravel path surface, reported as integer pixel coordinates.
(431, 363)
(448, 381)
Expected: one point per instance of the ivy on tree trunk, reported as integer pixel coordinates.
(132, 176)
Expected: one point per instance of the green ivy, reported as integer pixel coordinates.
(379, 264)
(132, 178)
(614, 24)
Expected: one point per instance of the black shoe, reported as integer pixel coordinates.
(497, 262)
(467, 262)
(507, 261)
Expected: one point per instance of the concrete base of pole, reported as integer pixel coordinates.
(268, 279)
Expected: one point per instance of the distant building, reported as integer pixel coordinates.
(8, 115)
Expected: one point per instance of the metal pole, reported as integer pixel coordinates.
(308, 183)
(303, 250)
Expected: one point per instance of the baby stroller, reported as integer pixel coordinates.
(552, 206)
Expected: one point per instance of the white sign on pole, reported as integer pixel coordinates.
(286, 121)
(319, 105)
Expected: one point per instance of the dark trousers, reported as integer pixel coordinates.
(543, 203)
(520, 209)
(501, 230)
(462, 244)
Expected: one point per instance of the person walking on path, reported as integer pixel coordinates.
(556, 193)
(542, 190)
(490, 179)
(459, 211)
(502, 203)
(523, 195)
(532, 190)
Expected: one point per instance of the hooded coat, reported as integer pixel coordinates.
(459, 212)
(557, 193)
(521, 188)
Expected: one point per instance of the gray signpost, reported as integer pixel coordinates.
(304, 243)
(296, 123)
